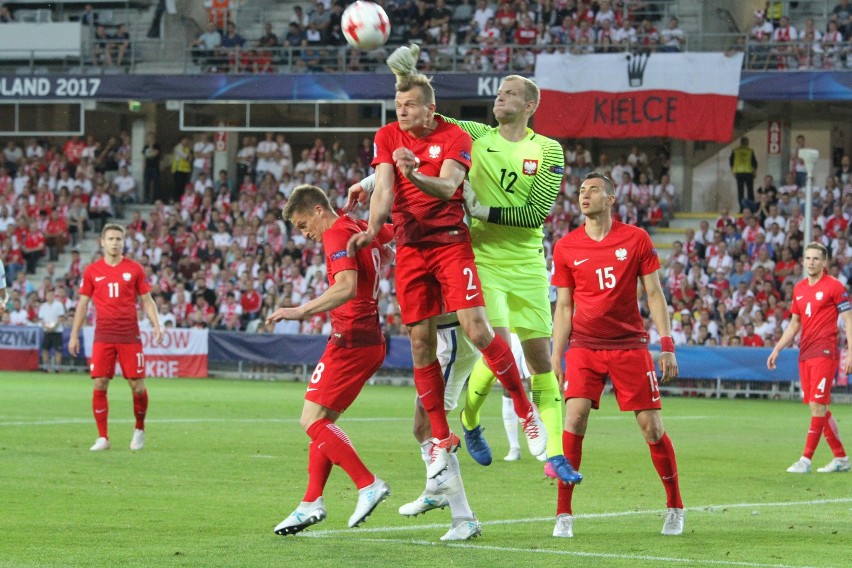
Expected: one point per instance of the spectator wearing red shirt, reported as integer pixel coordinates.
(73, 150)
(33, 247)
(526, 33)
(56, 235)
(752, 339)
(836, 224)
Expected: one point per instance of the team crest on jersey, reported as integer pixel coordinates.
(530, 167)
(127, 276)
(819, 296)
(434, 151)
(621, 254)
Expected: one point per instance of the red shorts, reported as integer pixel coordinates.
(631, 372)
(129, 356)
(817, 375)
(427, 275)
(341, 374)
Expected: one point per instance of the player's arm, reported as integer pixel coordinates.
(345, 288)
(660, 316)
(443, 186)
(475, 129)
(847, 324)
(79, 317)
(359, 192)
(787, 339)
(150, 309)
(380, 207)
(562, 324)
(543, 193)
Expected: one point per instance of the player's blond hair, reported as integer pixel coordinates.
(112, 227)
(820, 247)
(304, 198)
(405, 83)
(531, 90)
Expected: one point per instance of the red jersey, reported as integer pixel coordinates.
(818, 306)
(356, 322)
(113, 290)
(604, 278)
(419, 218)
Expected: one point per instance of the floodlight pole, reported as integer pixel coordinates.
(809, 156)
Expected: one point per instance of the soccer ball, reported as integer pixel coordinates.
(365, 25)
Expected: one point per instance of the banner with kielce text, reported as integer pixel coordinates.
(182, 353)
(689, 96)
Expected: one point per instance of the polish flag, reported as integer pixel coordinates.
(689, 96)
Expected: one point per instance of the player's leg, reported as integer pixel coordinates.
(478, 388)
(102, 370)
(577, 412)
(816, 390)
(132, 362)
(545, 390)
(840, 463)
(634, 380)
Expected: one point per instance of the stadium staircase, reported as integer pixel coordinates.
(663, 237)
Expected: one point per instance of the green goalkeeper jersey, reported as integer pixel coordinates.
(520, 182)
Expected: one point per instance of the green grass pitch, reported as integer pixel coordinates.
(225, 461)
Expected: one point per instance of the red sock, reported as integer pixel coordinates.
(814, 434)
(319, 468)
(663, 456)
(572, 446)
(100, 408)
(335, 444)
(498, 356)
(429, 382)
(140, 407)
(832, 436)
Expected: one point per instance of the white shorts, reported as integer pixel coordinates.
(457, 355)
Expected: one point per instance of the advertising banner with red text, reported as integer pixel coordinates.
(689, 96)
(20, 347)
(182, 353)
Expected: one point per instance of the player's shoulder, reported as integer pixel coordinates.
(547, 143)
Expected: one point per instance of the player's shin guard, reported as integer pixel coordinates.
(814, 434)
(572, 447)
(832, 436)
(498, 356)
(335, 444)
(450, 483)
(140, 408)
(478, 386)
(319, 468)
(429, 382)
(100, 408)
(663, 456)
(548, 399)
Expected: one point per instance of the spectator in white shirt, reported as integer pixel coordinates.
(202, 153)
(51, 315)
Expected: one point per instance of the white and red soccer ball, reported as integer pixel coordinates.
(365, 25)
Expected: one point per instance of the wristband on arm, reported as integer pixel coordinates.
(667, 344)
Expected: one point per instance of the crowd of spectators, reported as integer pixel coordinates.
(219, 255)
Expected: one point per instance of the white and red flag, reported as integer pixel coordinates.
(182, 353)
(689, 96)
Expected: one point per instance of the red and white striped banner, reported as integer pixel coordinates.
(19, 348)
(689, 96)
(182, 353)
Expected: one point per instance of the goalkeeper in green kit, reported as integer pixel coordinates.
(514, 180)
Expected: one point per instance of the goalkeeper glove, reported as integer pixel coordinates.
(474, 208)
(403, 60)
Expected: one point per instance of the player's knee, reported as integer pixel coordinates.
(653, 433)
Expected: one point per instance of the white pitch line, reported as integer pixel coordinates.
(701, 509)
(695, 561)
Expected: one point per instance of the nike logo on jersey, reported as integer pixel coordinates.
(579, 262)
(99, 278)
(492, 150)
(309, 390)
(655, 398)
(471, 296)
(799, 298)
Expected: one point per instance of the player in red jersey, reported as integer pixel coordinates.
(421, 162)
(816, 302)
(596, 271)
(355, 351)
(113, 283)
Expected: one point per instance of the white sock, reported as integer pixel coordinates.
(510, 423)
(450, 484)
(431, 484)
